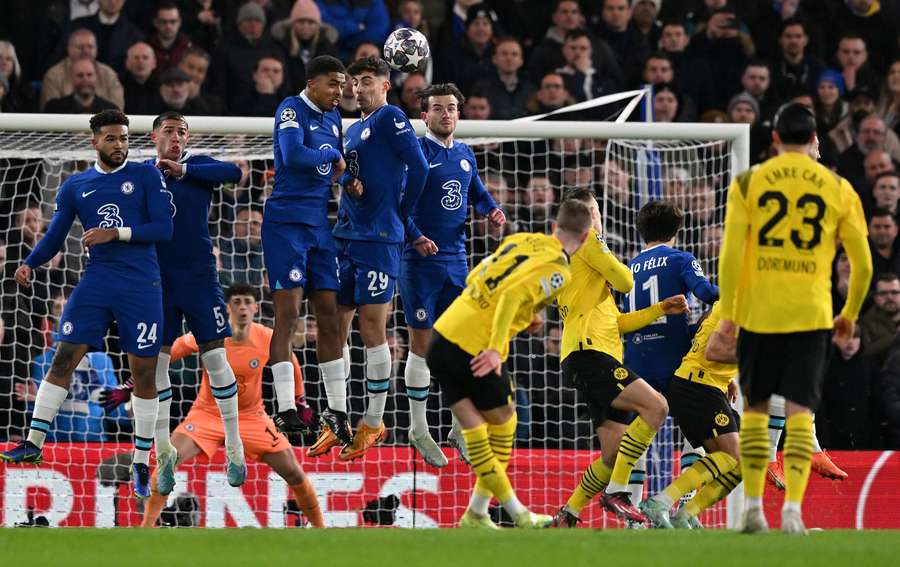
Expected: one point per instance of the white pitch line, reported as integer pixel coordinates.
(864, 493)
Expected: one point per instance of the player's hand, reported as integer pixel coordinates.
(486, 362)
(733, 392)
(306, 414)
(722, 344)
(112, 398)
(497, 218)
(97, 236)
(339, 167)
(354, 188)
(171, 168)
(25, 391)
(425, 246)
(537, 323)
(675, 305)
(23, 276)
(843, 331)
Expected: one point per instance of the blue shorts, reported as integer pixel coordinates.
(199, 299)
(429, 287)
(96, 302)
(299, 255)
(368, 271)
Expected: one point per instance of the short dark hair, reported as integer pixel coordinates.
(756, 63)
(883, 174)
(793, 21)
(241, 289)
(887, 277)
(168, 115)
(659, 221)
(577, 33)
(372, 64)
(324, 65)
(574, 217)
(441, 89)
(658, 55)
(109, 117)
(851, 34)
(166, 5)
(198, 51)
(795, 124)
(881, 212)
(583, 194)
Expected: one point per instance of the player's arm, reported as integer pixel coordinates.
(721, 348)
(605, 263)
(53, 241)
(406, 147)
(158, 202)
(734, 241)
(694, 279)
(290, 141)
(482, 200)
(211, 171)
(630, 322)
(853, 233)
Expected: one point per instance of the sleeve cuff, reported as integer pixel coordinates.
(124, 233)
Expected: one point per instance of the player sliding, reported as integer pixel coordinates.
(591, 355)
(781, 225)
(385, 175)
(299, 251)
(202, 431)
(700, 397)
(471, 343)
(430, 282)
(191, 290)
(124, 208)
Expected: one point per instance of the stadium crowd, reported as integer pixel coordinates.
(706, 60)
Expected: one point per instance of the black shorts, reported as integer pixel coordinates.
(702, 412)
(788, 364)
(599, 378)
(449, 365)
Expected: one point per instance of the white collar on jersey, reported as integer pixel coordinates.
(186, 155)
(434, 139)
(310, 103)
(654, 247)
(363, 116)
(99, 169)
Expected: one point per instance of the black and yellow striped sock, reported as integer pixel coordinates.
(701, 472)
(501, 438)
(713, 491)
(487, 467)
(754, 452)
(798, 450)
(593, 482)
(633, 444)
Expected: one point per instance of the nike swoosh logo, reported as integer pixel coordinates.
(141, 347)
(221, 330)
(88, 193)
(433, 165)
(311, 128)
(399, 125)
(379, 293)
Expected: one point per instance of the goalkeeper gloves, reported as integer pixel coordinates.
(110, 399)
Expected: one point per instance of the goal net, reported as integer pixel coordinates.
(526, 166)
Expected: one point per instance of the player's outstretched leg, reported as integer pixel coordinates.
(418, 386)
(223, 384)
(334, 424)
(501, 438)
(166, 455)
(754, 460)
(285, 464)
(593, 482)
(707, 496)
(798, 449)
(378, 382)
(145, 406)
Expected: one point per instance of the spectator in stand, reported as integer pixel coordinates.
(84, 98)
(57, 80)
(508, 87)
(743, 108)
(270, 88)
(871, 136)
(234, 63)
(627, 42)
(454, 27)
(875, 24)
(886, 191)
(409, 94)
(19, 97)
(852, 60)
(477, 107)
(174, 93)
(644, 16)
(547, 55)
(114, 31)
(551, 95)
(471, 60)
(880, 324)
(694, 73)
(138, 80)
(348, 106)
(889, 101)
(876, 163)
(4, 88)
(168, 42)
(860, 104)
(356, 22)
(766, 24)
(242, 257)
(302, 38)
(366, 49)
(203, 22)
(195, 64)
(666, 103)
(829, 101)
(756, 81)
(584, 80)
(883, 243)
(411, 14)
(795, 70)
(658, 69)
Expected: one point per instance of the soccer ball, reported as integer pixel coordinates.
(406, 50)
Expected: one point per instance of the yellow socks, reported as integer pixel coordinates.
(501, 439)
(713, 491)
(634, 443)
(593, 482)
(701, 472)
(798, 450)
(490, 472)
(754, 455)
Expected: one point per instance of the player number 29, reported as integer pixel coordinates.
(378, 281)
(146, 334)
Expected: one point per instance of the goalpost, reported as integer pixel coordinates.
(524, 164)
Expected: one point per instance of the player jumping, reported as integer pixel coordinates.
(429, 283)
(386, 171)
(124, 208)
(471, 342)
(782, 222)
(191, 290)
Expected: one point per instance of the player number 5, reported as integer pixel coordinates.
(220, 318)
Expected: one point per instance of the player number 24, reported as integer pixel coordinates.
(146, 334)
(813, 208)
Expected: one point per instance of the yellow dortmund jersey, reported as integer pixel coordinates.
(781, 226)
(589, 313)
(695, 366)
(503, 293)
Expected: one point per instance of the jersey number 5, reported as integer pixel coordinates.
(807, 203)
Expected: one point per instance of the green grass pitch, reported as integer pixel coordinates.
(433, 548)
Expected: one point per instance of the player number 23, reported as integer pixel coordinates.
(813, 208)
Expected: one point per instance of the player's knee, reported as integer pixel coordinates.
(656, 411)
(293, 476)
